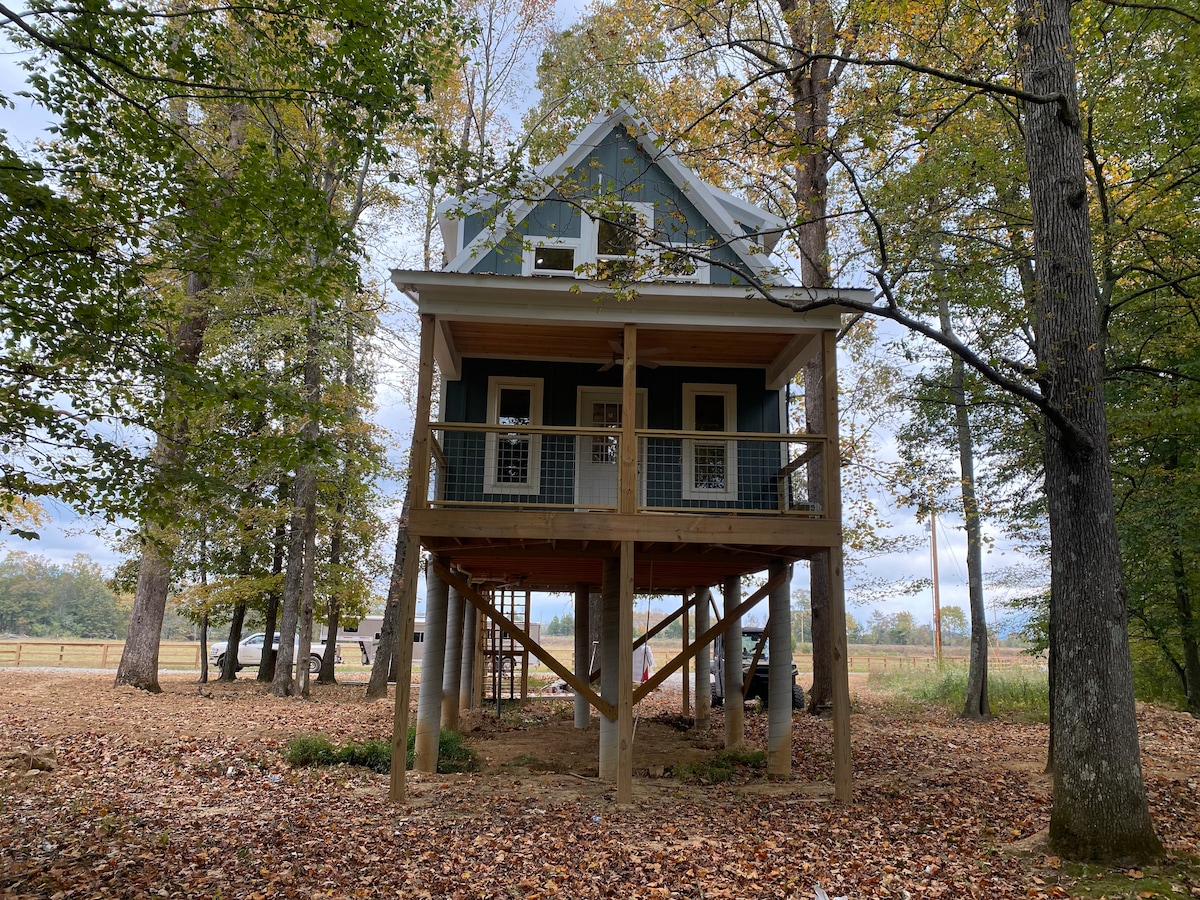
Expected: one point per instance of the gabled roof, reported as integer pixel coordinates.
(740, 224)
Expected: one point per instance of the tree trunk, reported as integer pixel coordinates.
(266, 665)
(139, 658)
(334, 614)
(204, 648)
(976, 706)
(283, 685)
(307, 584)
(1099, 808)
(811, 30)
(381, 667)
(229, 665)
(1187, 627)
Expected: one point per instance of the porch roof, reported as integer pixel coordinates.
(557, 319)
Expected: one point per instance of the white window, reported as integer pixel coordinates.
(679, 264)
(619, 234)
(709, 467)
(550, 256)
(512, 459)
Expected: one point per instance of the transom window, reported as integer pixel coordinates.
(551, 256)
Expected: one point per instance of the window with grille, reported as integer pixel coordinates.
(512, 463)
(710, 467)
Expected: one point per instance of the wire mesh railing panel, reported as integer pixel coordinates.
(579, 468)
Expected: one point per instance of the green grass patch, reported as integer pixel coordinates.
(1175, 878)
(317, 750)
(722, 766)
(1017, 693)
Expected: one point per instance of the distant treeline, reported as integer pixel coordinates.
(40, 598)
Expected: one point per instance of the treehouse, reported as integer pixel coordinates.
(617, 415)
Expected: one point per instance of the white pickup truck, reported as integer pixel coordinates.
(250, 651)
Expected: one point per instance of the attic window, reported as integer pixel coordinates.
(618, 235)
(551, 256)
(553, 259)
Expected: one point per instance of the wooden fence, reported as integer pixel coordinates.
(92, 654)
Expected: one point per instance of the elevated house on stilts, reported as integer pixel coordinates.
(613, 418)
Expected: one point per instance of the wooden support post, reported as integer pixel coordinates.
(735, 711)
(466, 672)
(525, 652)
(419, 492)
(452, 671)
(583, 710)
(433, 661)
(703, 688)
(686, 708)
(610, 688)
(779, 677)
(843, 767)
(625, 674)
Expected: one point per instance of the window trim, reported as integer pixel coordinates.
(591, 235)
(529, 256)
(702, 275)
(533, 485)
(730, 491)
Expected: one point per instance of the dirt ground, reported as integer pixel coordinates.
(186, 794)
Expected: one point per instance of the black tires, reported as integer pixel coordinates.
(797, 697)
(717, 700)
(314, 666)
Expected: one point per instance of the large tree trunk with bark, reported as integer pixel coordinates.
(333, 618)
(283, 684)
(1099, 809)
(811, 30)
(139, 658)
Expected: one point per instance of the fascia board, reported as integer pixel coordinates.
(545, 300)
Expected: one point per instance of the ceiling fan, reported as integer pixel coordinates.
(618, 348)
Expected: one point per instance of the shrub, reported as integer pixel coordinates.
(310, 750)
(317, 750)
(721, 766)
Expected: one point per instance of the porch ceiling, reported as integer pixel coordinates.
(575, 343)
(561, 565)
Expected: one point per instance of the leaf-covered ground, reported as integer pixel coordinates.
(184, 795)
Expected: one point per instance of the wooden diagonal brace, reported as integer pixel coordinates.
(708, 637)
(515, 631)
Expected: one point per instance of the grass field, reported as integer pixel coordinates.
(185, 655)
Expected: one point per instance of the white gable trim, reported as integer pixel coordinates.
(717, 207)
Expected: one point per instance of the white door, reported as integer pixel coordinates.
(598, 456)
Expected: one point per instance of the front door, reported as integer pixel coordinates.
(598, 456)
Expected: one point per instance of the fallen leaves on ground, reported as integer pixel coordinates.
(182, 795)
